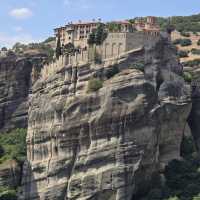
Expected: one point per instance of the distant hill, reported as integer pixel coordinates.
(182, 23)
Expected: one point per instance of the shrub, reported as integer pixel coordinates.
(195, 51)
(155, 194)
(187, 147)
(182, 54)
(139, 65)
(196, 197)
(185, 42)
(58, 48)
(97, 58)
(185, 34)
(1, 151)
(69, 49)
(192, 63)
(94, 85)
(14, 145)
(112, 71)
(8, 194)
(49, 39)
(187, 77)
(173, 198)
(177, 41)
(198, 43)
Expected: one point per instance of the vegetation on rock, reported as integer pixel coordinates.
(192, 63)
(113, 27)
(182, 54)
(13, 145)
(181, 23)
(8, 193)
(69, 49)
(182, 42)
(94, 84)
(112, 72)
(198, 42)
(182, 177)
(187, 77)
(98, 36)
(185, 34)
(139, 65)
(195, 51)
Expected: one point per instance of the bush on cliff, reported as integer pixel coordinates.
(112, 72)
(139, 65)
(14, 145)
(182, 42)
(192, 63)
(187, 77)
(195, 51)
(182, 54)
(182, 177)
(7, 194)
(185, 34)
(94, 85)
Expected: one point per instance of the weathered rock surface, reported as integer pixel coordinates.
(10, 174)
(15, 84)
(105, 145)
(194, 117)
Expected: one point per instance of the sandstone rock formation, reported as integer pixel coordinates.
(10, 174)
(15, 84)
(105, 145)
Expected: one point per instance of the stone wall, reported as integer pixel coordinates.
(118, 43)
(115, 45)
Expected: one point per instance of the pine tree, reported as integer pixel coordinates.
(58, 48)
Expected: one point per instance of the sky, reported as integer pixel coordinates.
(34, 20)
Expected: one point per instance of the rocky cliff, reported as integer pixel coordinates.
(16, 76)
(105, 144)
(15, 85)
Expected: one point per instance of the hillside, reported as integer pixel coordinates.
(192, 50)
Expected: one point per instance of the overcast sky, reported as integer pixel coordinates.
(34, 20)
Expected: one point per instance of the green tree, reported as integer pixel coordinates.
(98, 36)
(69, 49)
(58, 48)
(91, 39)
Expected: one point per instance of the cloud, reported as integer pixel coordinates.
(21, 13)
(10, 40)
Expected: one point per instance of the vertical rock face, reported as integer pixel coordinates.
(194, 117)
(15, 84)
(14, 88)
(105, 144)
(10, 174)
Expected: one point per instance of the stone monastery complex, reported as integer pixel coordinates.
(122, 37)
(78, 33)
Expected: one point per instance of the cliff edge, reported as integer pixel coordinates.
(106, 141)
